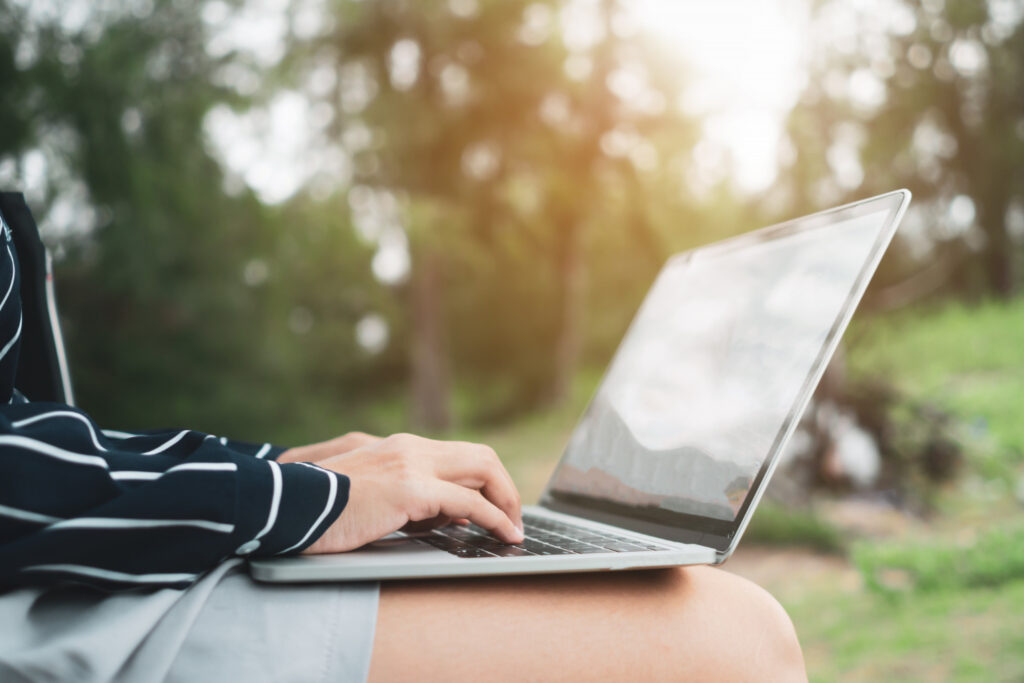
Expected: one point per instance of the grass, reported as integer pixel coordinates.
(992, 558)
(969, 635)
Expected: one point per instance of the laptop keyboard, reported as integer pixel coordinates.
(543, 537)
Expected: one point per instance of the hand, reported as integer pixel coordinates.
(405, 479)
(328, 449)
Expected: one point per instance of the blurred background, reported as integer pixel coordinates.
(286, 219)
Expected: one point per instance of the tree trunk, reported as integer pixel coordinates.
(1000, 252)
(570, 275)
(1000, 261)
(1002, 271)
(431, 384)
(597, 103)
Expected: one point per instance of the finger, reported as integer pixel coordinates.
(477, 466)
(502, 491)
(510, 492)
(458, 501)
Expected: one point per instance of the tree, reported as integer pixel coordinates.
(507, 148)
(927, 96)
(170, 313)
(448, 91)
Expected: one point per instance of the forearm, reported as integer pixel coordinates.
(74, 505)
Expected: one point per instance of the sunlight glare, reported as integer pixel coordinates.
(747, 57)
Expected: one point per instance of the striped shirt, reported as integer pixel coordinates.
(120, 510)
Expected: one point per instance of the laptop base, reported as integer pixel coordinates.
(407, 556)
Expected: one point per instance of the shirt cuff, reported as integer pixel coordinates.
(281, 509)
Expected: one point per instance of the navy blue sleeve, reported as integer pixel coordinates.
(118, 510)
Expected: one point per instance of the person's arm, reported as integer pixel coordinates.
(76, 505)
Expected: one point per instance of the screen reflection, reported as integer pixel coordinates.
(711, 367)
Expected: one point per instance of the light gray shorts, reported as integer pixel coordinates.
(249, 631)
(226, 627)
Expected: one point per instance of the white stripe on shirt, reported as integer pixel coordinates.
(275, 499)
(168, 444)
(188, 467)
(332, 494)
(115, 434)
(61, 413)
(27, 515)
(125, 523)
(110, 575)
(263, 451)
(52, 451)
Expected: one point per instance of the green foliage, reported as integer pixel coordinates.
(965, 359)
(927, 99)
(183, 304)
(777, 525)
(154, 289)
(537, 201)
(497, 161)
(995, 557)
(244, 315)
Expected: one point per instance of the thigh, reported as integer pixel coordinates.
(671, 624)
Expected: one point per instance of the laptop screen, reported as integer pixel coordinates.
(714, 367)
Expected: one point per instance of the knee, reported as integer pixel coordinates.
(780, 650)
(752, 636)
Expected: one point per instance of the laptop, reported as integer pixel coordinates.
(679, 442)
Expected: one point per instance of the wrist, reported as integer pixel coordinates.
(291, 455)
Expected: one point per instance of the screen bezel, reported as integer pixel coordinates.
(723, 535)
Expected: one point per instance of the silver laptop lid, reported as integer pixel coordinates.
(683, 433)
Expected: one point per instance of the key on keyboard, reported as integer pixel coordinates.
(543, 537)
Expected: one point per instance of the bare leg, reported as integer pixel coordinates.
(696, 623)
